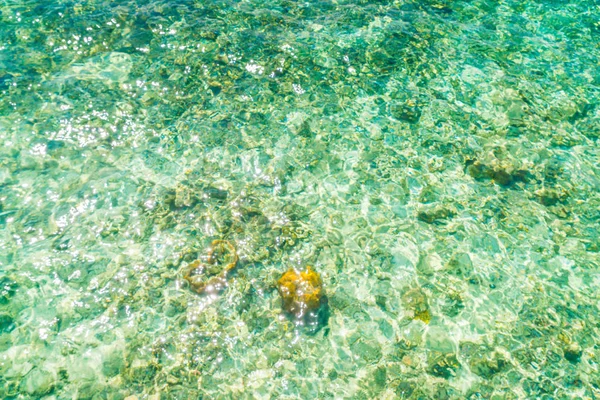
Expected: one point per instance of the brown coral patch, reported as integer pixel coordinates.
(211, 277)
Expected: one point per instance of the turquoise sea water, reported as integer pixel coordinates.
(436, 162)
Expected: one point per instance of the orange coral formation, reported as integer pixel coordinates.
(221, 252)
(301, 292)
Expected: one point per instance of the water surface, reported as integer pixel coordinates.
(437, 162)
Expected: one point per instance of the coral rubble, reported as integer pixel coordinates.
(211, 277)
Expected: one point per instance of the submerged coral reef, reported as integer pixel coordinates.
(435, 161)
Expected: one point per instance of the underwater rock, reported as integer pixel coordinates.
(38, 382)
(436, 215)
(8, 288)
(550, 197)
(503, 176)
(404, 389)
(416, 302)
(370, 352)
(183, 197)
(443, 365)
(109, 68)
(488, 366)
(216, 193)
(429, 264)
(7, 323)
(409, 112)
(573, 353)
(553, 170)
(341, 299)
(460, 265)
(438, 339)
(453, 303)
(175, 306)
(212, 276)
(141, 369)
(299, 124)
(113, 364)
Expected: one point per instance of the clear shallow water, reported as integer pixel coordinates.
(436, 162)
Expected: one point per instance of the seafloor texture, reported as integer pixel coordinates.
(436, 162)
